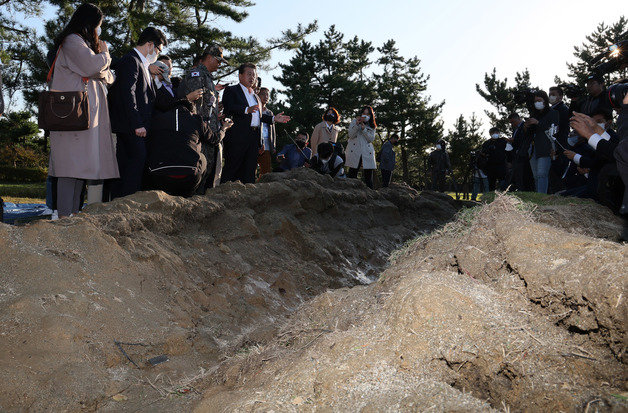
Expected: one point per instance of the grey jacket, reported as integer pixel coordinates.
(387, 160)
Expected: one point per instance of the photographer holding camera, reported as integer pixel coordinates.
(540, 129)
(597, 96)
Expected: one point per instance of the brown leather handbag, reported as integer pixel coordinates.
(63, 111)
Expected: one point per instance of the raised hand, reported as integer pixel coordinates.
(281, 118)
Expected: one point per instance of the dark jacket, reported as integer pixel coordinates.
(174, 143)
(293, 157)
(591, 104)
(131, 96)
(571, 177)
(387, 160)
(164, 101)
(540, 135)
(235, 104)
(563, 124)
(520, 143)
(495, 152)
(603, 152)
(439, 161)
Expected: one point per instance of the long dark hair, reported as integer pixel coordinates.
(83, 22)
(372, 122)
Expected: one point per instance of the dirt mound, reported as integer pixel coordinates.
(495, 311)
(198, 280)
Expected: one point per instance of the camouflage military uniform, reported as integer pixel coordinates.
(207, 107)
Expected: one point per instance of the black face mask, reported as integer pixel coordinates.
(330, 117)
(301, 144)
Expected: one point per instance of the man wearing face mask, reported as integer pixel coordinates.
(494, 151)
(130, 105)
(521, 179)
(327, 130)
(200, 80)
(439, 164)
(387, 159)
(607, 187)
(327, 162)
(294, 155)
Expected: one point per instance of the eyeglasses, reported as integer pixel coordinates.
(159, 49)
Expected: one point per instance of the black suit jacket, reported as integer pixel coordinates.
(563, 124)
(235, 104)
(164, 101)
(131, 97)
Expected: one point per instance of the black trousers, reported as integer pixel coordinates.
(131, 155)
(386, 177)
(241, 153)
(176, 186)
(367, 174)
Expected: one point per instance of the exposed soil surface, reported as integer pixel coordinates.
(198, 280)
(284, 296)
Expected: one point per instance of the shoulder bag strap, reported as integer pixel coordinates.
(52, 68)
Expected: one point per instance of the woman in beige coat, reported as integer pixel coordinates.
(326, 131)
(90, 154)
(360, 151)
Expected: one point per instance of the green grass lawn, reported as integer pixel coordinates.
(23, 192)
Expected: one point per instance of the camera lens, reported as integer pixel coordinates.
(617, 93)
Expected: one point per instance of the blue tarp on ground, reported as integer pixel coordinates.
(20, 212)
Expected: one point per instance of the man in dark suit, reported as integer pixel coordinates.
(243, 141)
(559, 163)
(130, 106)
(522, 179)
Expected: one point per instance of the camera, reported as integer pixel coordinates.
(573, 91)
(617, 93)
(614, 59)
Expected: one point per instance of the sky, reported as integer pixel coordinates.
(457, 41)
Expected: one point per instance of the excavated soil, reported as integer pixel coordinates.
(86, 301)
(494, 312)
(284, 296)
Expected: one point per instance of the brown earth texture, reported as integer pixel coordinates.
(301, 293)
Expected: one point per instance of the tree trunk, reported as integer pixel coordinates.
(404, 155)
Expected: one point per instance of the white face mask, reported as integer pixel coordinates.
(553, 99)
(539, 105)
(152, 57)
(439, 147)
(98, 31)
(602, 125)
(366, 118)
(572, 140)
(495, 136)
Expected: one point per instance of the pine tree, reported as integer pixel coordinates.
(596, 43)
(332, 72)
(501, 96)
(463, 139)
(188, 25)
(403, 107)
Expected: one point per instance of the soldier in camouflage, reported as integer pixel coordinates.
(200, 77)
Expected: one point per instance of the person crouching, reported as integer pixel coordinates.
(175, 162)
(326, 161)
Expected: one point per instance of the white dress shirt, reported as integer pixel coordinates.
(145, 64)
(252, 101)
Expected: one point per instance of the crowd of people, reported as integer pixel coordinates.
(151, 130)
(571, 150)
